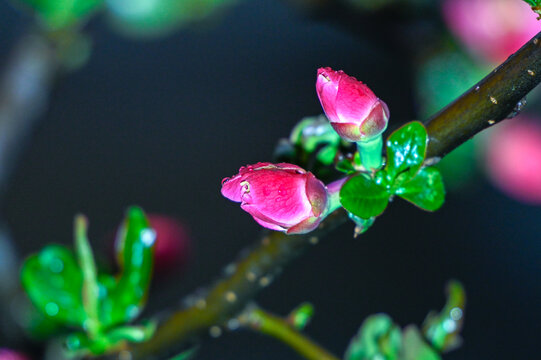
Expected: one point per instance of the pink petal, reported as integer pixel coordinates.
(354, 101)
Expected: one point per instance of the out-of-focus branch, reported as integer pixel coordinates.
(461, 120)
(25, 85)
(24, 91)
(263, 322)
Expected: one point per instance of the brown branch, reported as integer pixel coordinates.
(493, 98)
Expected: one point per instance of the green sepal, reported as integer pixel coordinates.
(346, 166)
(414, 347)
(53, 281)
(425, 190)
(406, 149)
(58, 14)
(361, 225)
(363, 197)
(135, 246)
(378, 338)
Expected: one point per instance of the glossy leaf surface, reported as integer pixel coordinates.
(362, 197)
(53, 281)
(425, 190)
(127, 297)
(406, 149)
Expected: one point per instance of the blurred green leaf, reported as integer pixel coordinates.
(406, 149)
(378, 338)
(442, 330)
(125, 300)
(444, 76)
(362, 197)
(425, 190)
(58, 14)
(414, 347)
(152, 18)
(53, 281)
(301, 316)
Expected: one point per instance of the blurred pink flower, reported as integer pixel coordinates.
(281, 197)
(7, 354)
(352, 108)
(491, 29)
(513, 159)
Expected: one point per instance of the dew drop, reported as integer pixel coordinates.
(250, 276)
(233, 324)
(230, 296)
(201, 304)
(148, 237)
(51, 309)
(456, 313)
(449, 325)
(264, 281)
(215, 331)
(477, 88)
(230, 269)
(56, 265)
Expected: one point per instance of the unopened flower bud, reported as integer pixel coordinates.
(355, 113)
(282, 197)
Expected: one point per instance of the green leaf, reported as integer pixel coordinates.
(53, 281)
(406, 149)
(58, 14)
(442, 330)
(425, 190)
(414, 347)
(362, 197)
(301, 316)
(126, 299)
(378, 338)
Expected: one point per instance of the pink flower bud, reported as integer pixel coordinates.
(491, 29)
(281, 197)
(352, 108)
(513, 159)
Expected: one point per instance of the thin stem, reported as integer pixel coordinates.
(370, 152)
(263, 322)
(449, 128)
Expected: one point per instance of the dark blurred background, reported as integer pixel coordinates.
(159, 123)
